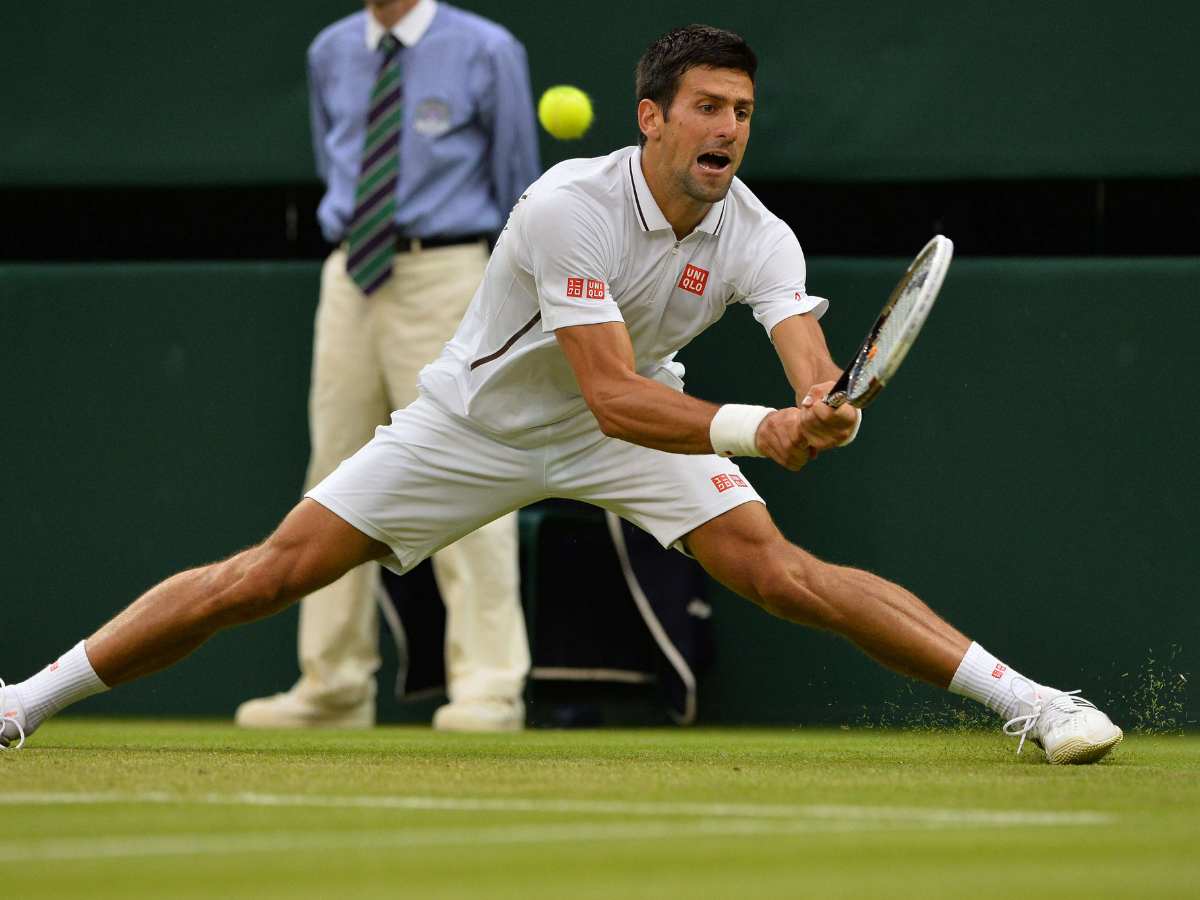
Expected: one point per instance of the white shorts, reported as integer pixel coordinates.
(431, 477)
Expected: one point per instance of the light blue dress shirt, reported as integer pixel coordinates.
(469, 146)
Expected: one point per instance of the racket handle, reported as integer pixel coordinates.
(835, 398)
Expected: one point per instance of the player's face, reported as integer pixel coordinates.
(705, 133)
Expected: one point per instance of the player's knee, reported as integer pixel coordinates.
(252, 585)
(788, 585)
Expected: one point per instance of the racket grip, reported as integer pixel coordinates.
(835, 398)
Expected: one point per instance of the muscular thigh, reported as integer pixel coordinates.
(313, 547)
(738, 547)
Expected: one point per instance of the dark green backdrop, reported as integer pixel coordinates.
(174, 92)
(1031, 473)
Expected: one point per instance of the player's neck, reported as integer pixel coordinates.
(388, 12)
(682, 211)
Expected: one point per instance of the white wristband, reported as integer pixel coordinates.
(854, 433)
(733, 429)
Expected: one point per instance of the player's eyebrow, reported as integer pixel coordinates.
(739, 102)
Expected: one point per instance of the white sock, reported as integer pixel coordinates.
(68, 679)
(984, 678)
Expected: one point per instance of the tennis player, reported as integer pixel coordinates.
(560, 382)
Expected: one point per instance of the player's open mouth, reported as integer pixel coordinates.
(714, 161)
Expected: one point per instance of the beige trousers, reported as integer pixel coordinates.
(366, 356)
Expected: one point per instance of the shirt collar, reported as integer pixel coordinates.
(650, 217)
(408, 30)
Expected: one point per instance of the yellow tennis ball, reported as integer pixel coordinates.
(565, 112)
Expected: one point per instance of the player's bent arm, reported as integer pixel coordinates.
(637, 409)
(627, 405)
(800, 343)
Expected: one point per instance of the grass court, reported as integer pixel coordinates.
(130, 809)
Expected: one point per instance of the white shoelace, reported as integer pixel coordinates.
(5, 719)
(1020, 726)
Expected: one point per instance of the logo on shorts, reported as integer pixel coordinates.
(724, 483)
(596, 290)
(999, 671)
(693, 279)
(53, 667)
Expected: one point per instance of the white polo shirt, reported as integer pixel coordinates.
(587, 244)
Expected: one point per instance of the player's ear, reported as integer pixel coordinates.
(650, 117)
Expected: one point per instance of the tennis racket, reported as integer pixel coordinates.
(897, 327)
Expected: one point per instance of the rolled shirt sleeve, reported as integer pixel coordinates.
(777, 289)
(571, 257)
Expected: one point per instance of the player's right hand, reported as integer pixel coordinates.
(780, 437)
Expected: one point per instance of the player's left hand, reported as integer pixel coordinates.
(823, 426)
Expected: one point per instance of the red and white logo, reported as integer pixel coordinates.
(693, 279)
(999, 671)
(53, 667)
(596, 289)
(725, 483)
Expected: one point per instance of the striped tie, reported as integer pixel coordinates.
(373, 228)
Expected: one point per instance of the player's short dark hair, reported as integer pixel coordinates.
(668, 58)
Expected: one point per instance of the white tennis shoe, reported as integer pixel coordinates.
(12, 714)
(1070, 729)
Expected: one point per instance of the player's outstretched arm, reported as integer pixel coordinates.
(800, 343)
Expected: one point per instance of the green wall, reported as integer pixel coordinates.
(176, 93)
(1031, 472)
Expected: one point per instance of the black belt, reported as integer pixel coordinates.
(412, 245)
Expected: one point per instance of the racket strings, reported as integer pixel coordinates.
(888, 342)
(879, 354)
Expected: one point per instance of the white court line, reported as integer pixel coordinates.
(893, 815)
(63, 849)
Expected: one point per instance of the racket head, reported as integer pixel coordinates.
(896, 328)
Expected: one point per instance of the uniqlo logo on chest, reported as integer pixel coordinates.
(999, 671)
(693, 279)
(724, 483)
(595, 289)
(574, 286)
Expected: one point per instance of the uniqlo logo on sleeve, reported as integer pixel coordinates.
(595, 289)
(693, 279)
(999, 671)
(739, 481)
(574, 286)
